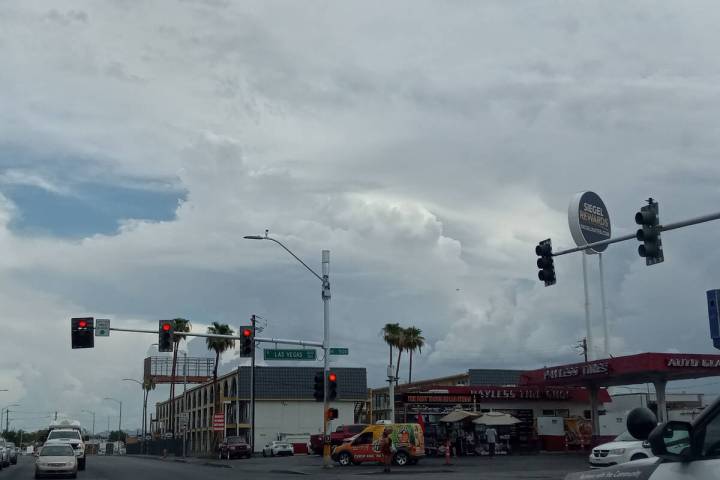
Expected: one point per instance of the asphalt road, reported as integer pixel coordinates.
(534, 467)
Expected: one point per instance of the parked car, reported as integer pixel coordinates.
(4, 454)
(234, 447)
(13, 451)
(277, 448)
(337, 437)
(408, 440)
(56, 459)
(625, 448)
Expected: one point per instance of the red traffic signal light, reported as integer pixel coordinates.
(166, 327)
(247, 332)
(332, 377)
(82, 323)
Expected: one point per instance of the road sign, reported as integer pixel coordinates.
(183, 421)
(102, 327)
(286, 354)
(218, 422)
(339, 351)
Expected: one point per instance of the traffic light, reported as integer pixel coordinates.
(319, 387)
(332, 386)
(545, 263)
(246, 344)
(332, 413)
(649, 219)
(166, 328)
(82, 332)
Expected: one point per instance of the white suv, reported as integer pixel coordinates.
(625, 448)
(73, 438)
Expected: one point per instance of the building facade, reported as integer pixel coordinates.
(284, 405)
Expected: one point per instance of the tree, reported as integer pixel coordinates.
(391, 334)
(400, 345)
(413, 341)
(148, 384)
(218, 345)
(117, 435)
(179, 325)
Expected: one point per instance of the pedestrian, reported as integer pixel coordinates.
(491, 437)
(447, 450)
(386, 448)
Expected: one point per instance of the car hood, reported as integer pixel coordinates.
(614, 445)
(639, 469)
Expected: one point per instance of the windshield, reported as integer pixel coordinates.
(66, 434)
(625, 437)
(57, 451)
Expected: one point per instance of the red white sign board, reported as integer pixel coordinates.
(218, 422)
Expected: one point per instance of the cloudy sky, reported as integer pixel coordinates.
(428, 145)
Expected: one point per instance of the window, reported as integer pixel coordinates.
(711, 441)
(365, 438)
(548, 413)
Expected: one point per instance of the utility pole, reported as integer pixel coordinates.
(186, 415)
(582, 348)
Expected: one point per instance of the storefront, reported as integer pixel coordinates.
(531, 406)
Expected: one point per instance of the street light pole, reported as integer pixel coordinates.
(325, 279)
(93, 415)
(142, 390)
(120, 418)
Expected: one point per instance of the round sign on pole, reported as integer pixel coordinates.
(589, 220)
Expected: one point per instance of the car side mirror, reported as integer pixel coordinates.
(672, 441)
(640, 422)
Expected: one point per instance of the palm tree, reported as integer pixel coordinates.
(391, 333)
(413, 341)
(401, 344)
(147, 385)
(179, 325)
(219, 345)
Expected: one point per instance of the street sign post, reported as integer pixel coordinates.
(288, 354)
(339, 351)
(102, 327)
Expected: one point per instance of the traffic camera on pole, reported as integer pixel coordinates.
(82, 332)
(246, 344)
(319, 387)
(332, 386)
(166, 328)
(649, 219)
(545, 263)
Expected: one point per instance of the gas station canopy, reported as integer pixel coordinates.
(627, 370)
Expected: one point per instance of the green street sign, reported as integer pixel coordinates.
(339, 351)
(102, 327)
(284, 354)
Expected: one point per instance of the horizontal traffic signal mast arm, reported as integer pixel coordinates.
(662, 228)
(307, 343)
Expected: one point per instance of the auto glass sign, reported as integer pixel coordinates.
(589, 220)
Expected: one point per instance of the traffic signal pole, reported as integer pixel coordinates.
(252, 391)
(632, 236)
(326, 354)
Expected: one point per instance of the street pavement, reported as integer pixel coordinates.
(534, 467)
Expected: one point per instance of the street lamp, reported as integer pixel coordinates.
(120, 418)
(6, 409)
(93, 414)
(325, 279)
(144, 404)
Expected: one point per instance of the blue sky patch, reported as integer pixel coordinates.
(90, 209)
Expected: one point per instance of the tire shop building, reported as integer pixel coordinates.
(547, 414)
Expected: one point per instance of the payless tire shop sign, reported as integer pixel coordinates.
(589, 220)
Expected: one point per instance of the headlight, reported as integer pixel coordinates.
(617, 451)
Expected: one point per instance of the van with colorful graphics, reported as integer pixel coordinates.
(407, 439)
